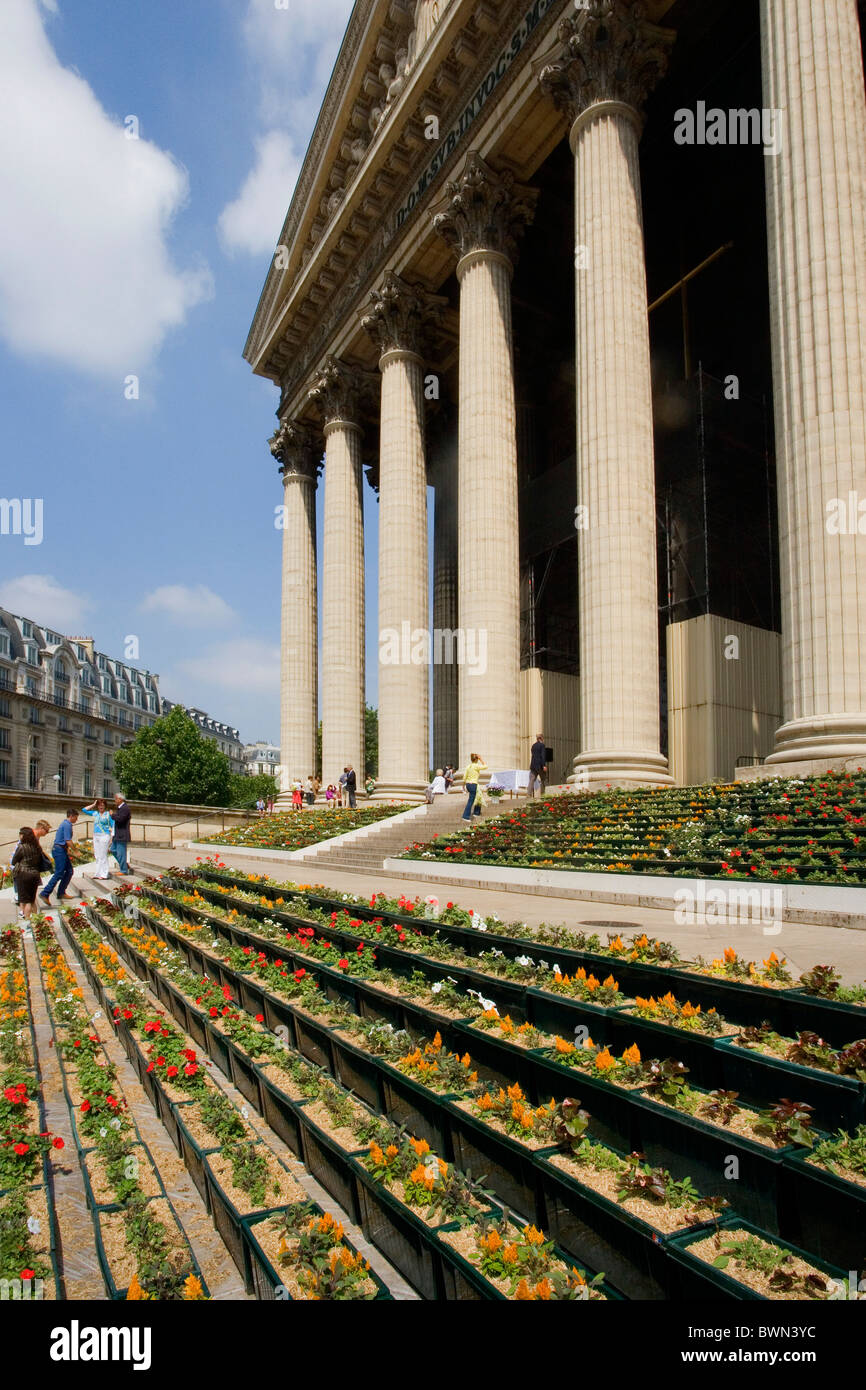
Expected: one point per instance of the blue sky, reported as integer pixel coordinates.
(145, 258)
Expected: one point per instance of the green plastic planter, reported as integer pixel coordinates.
(838, 1101)
(229, 1223)
(33, 1292)
(554, 1013)
(115, 1293)
(423, 1112)
(496, 1059)
(358, 1071)
(839, 1023)
(330, 1164)
(313, 1041)
(694, 1280)
(252, 996)
(194, 1156)
(281, 1113)
(463, 1281)
(499, 1162)
(278, 1015)
(139, 1151)
(604, 1234)
(245, 1075)
(689, 1147)
(614, 1120)
(266, 1282)
(823, 1213)
(218, 1049)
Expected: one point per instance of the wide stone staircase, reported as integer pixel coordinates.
(389, 839)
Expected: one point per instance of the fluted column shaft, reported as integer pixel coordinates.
(816, 205)
(343, 603)
(617, 567)
(298, 630)
(488, 575)
(404, 622)
(446, 741)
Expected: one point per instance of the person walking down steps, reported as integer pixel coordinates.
(63, 867)
(471, 777)
(103, 832)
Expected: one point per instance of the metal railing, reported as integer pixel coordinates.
(162, 836)
(749, 760)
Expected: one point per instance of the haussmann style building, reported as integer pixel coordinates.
(595, 272)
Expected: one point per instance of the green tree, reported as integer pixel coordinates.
(245, 791)
(371, 743)
(172, 761)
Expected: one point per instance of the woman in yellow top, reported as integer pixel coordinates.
(470, 782)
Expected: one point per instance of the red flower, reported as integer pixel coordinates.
(343, 964)
(150, 1066)
(85, 1106)
(21, 1149)
(58, 1143)
(172, 1071)
(76, 1043)
(190, 1069)
(160, 1061)
(213, 1011)
(27, 1274)
(189, 1054)
(299, 975)
(127, 1013)
(260, 1018)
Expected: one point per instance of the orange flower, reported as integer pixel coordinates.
(730, 955)
(632, 1055)
(691, 1010)
(533, 1236)
(604, 1061)
(523, 1293)
(610, 983)
(420, 1146)
(514, 1092)
(564, 1046)
(509, 1254)
(544, 1290)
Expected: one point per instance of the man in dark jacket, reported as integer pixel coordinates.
(351, 784)
(538, 765)
(122, 817)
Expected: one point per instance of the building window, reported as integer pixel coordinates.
(106, 711)
(88, 782)
(88, 755)
(108, 738)
(4, 643)
(64, 750)
(31, 654)
(5, 708)
(35, 716)
(63, 723)
(106, 787)
(33, 777)
(62, 771)
(106, 762)
(26, 628)
(4, 739)
(5, 779)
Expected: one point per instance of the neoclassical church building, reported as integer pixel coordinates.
(595, 272)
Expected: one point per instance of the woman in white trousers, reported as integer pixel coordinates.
(103, 834)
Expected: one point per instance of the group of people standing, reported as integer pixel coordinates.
(475, 797)
(111, 835)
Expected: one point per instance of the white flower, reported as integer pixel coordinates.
(115, 1124)
(102, 1133)
(33, 1225)
(434, 989)
(523, 960)
(556, 969)
(487, 1005)
(494, 952)
(544, 965)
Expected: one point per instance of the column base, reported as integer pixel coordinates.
(597, 771)
(399, 791)
(808, 747)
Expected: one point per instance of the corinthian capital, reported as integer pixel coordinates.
(608, 52)
(292, 447)
(338, 391)
(483, 210)
(400, 313)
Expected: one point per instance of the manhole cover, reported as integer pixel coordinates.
(619, 925)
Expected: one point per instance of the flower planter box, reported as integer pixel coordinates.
(696, 1280)
(279, 1016)
(838, 1101)
(358, 1071)
(614, 1119)
(554, 1013)
(118, 1294)
(168, 1115)
(218, 1049)
(604, 1234)
(689, 1147)
(380, 1007)
(330, 1164)
(266, 1281)
(497, 1059)
(197, 1026)
(30, 1290)
(504, 1166)
(464, 1281)
(403, 1238)
(313, 1041)
(823, 1212)
(281, 1114)
(423, 1112)
(699, 1051)
(139, 1152)
(193, 1154)
(839, 1023)
(244, 1074)
(251, 995)
(229, 1223)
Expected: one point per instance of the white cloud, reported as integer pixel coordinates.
(252, 222)
(42, 598)
(192, 605)
(293, 52)
(86, 276)
(247, 664)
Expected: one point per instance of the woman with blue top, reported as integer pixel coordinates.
(103, 834)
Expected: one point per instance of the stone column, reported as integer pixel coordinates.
(607, 62)
(336, 392)
(816, 215)
(292, 446)
(395, 322)
(446, 741)
(481, 217)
